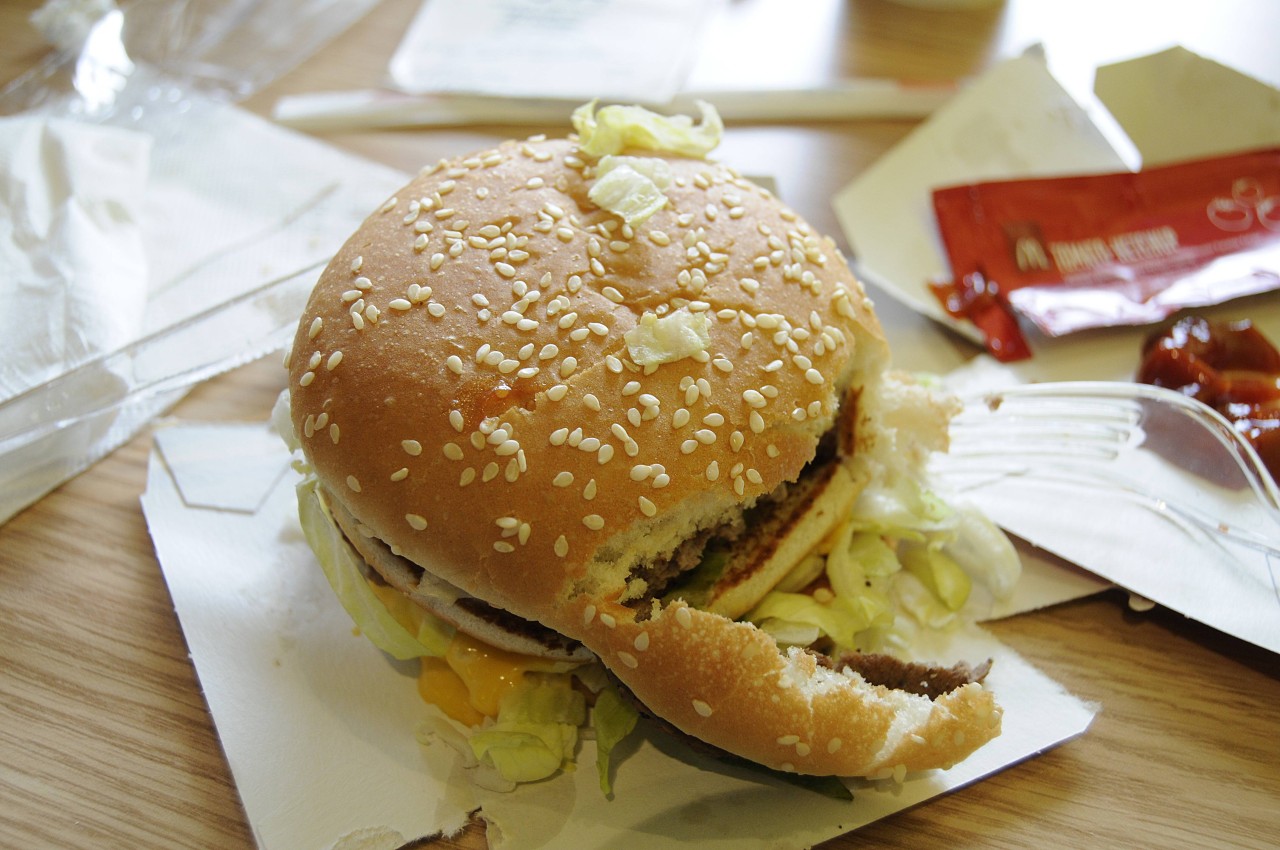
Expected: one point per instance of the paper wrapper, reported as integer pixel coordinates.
(320, 728)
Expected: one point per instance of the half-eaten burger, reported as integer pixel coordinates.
(612, 429)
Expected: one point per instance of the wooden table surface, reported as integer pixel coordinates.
(105, 738)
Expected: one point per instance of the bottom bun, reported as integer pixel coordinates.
(727, 683)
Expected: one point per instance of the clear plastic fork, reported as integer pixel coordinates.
(1157, 485)
(1164, 449)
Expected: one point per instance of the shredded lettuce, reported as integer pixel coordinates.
(839, 618)
(344, 570)
(666, 339)
(536, 730)
(614, 129)
(630, 187)
(613, 718)
(938, 572)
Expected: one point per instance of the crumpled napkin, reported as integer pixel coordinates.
(119, 243)
(71, 244)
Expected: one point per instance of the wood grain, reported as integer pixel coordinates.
(105, 738)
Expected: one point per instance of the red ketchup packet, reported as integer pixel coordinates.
(1071, 253)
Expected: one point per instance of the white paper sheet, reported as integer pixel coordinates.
(1218, 109)
(319, 727)
(616, 49)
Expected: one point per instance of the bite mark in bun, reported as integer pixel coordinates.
(511, 395)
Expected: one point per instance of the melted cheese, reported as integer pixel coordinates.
(470, 681)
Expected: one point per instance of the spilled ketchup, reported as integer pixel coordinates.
(1230, 366)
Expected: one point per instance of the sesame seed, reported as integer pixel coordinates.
(588, 613)
(490, 472)
(612, 294)
(306, 379)
(661, 480)
(562, 547)
(647, 507)
(436, 309)
(702, 708)
(595, 522)
(754, 398)
(411, 447)
(754, 476)
(353, 483)
(468, 475)
(628, 659)
(559, 435)
(504, 449)
(688, 446)
(684, 618)
(563, 479)
(590, 444)
(713, 471)
(567, 366)
(400, 474)
(316, 324)
(757, 422)
(813, 376)
(591, 402)
(503, 546)
(454, 362)
(417, 522)
(453, 451)
(334, 433)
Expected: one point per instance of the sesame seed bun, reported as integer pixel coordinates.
(531, 401)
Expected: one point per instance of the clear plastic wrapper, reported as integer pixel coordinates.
(218, 287)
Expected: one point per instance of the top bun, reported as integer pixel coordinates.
(463, 382)
(529, 398)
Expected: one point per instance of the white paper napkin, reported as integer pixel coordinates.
(116, 239)
(638, 50)
(71, 245)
